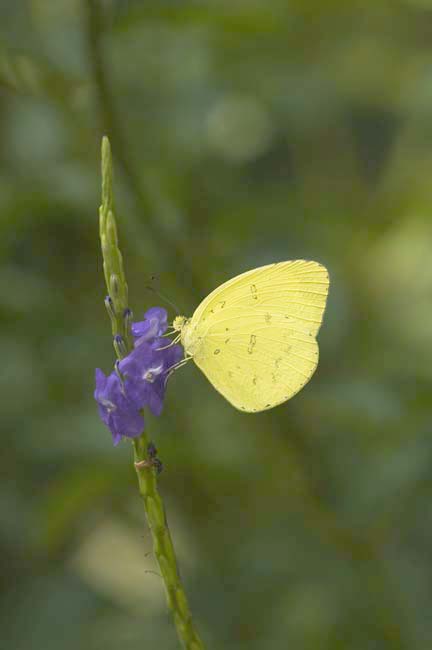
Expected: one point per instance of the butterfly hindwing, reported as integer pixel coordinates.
(257, 333)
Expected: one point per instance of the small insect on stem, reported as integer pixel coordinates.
(151, 450)
(152, 461)
(157, 464)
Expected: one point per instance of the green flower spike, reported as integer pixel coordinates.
(145, 464)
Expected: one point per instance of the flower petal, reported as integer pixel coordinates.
(154, 324)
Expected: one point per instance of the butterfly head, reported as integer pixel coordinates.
(187, 334)
(179, 322)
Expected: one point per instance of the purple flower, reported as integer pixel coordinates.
(145, 372)
(154, 324)
(117, 411)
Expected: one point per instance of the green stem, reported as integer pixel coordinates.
(164, 551)
(155, 512)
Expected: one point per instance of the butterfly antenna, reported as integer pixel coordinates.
(162, 297)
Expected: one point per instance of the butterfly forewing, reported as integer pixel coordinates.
(257, 333)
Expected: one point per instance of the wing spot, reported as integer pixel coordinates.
(274, 380)
(254, 291)
(278, 362)
(267, 318)
(222, 304)
(252, 343)
(226, 340)
(226, 329)
(216, 351)
(254, 380)
(268, 405)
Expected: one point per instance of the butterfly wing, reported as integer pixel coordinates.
(257, 331)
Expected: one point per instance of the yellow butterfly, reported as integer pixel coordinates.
(254, 336)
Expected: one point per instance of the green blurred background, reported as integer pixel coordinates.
(243, 133)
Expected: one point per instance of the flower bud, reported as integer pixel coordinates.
(117, 371)
(127, 317)
(114, 286)
(111, 229)
(110, 307)
(119, 346)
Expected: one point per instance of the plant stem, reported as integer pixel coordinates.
(117, 305)
(164, 551)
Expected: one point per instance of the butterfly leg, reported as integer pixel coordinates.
(176, 366)
(173, 342)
